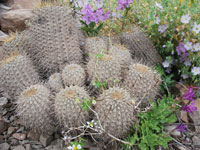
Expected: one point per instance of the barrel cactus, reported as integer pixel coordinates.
(55, 82)
(140, 46)
(68, 108)
(73, 74)
(116, 112)
(54, 38)
(105, 68)
(34, 108)
(142, 82)
(16, 73)
(122, 54)
(94, 46)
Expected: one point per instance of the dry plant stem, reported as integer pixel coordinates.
(142, 98)
(179, 143)
(104, 130)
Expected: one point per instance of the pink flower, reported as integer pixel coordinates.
(189, 108)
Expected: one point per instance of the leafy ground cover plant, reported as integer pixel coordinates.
(149, 132)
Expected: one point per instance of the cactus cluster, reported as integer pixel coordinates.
(53, 48)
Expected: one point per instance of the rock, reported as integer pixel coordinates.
(11, 130)
(45, 140)
(28, 146)
(56, 145)
(19, 121)
(14, 142)
(4, 146)
(1, 139)
(3, 36)
(14, 19)
(24, 4)
(196, 115)
(1, 57)
(94, 148)
(20, 147)
(3, 126)
(19, 136)
(20, 129)
(181, 148)
(172, 130)
(196, 141)
(33, 135)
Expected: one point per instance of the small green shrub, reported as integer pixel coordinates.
(149, 132)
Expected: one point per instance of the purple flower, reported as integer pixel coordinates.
(122, 4)
(88, 14)
(94, 16)
(180, 48)
(189, 108)
(181, 127)
(162, 28)
(189, 95)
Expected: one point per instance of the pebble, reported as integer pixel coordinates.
(20, 129)
(3, 101)
(33, 135)
(11, 130)
(28, 146)
(19, 136)
(172, 131)
(196, 141)
(45, 140)
(4, 146)
(3, 126)
(14, 142)
(1, 139)
(20, 147)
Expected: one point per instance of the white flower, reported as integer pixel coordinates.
(118, 15)
(159, 5)
(185, 19)
(79, 146)
(196, 70)
(196, 28)
(73, 147)
(165, 64)
(94, 102)
(91, 124)
(81, 3)
(162, 28)
(187, 63)
(157, 20)
(99, 3)
(65, 138)
(70, 147)
(184, 76)
(196, 47)
(188, 46)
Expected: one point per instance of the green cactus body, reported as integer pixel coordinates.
(16, 74)
(34, 108)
